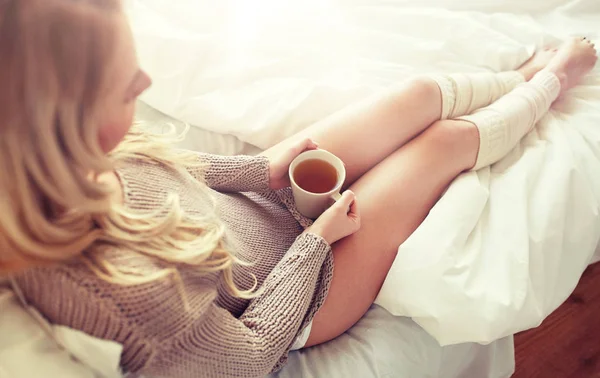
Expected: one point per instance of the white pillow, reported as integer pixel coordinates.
(28, 350)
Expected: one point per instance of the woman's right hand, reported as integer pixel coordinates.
(337, 222)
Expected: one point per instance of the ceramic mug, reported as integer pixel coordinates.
(310, 204)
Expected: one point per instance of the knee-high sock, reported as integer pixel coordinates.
(464, 93)
(502, 124)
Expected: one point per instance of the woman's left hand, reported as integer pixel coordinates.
(279, 165)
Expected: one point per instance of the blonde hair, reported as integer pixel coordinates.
(53, 55)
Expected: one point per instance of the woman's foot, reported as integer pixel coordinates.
(537, 62)
(573, 61)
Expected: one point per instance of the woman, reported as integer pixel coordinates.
(200, 265)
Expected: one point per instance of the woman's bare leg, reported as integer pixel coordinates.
(395, 197)
(363, 134)
(398, 193)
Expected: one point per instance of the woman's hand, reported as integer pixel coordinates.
(337, 222)
(278, 170)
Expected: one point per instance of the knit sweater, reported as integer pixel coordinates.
(219, 336)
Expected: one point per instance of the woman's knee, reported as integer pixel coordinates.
(455, 138)
(423, 87)
(424, 94)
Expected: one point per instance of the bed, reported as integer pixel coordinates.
(246, 75)
(380, 345)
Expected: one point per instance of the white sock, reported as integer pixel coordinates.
(464, 93)
(502, 124)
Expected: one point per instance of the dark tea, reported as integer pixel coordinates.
(315, 176)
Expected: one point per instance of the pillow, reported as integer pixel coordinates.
(30, 346)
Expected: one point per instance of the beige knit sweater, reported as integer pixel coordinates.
(220, 336)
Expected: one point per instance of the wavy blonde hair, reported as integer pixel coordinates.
(53, 59)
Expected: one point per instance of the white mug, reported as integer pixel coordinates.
(309, 204)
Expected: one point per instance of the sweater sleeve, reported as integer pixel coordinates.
(219, 345)
(234, 173)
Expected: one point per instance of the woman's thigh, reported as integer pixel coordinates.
(394, 198)
(365, 133)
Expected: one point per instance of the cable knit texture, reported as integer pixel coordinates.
(220, 336)
(502, 124)
(464, 93)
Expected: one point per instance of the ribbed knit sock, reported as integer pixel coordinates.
(464, 93)
(502, 124)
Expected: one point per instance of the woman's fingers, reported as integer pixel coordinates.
(305, 144)
(310, 144)
(346, 200)
(354, 211)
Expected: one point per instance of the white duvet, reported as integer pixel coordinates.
(504, 246)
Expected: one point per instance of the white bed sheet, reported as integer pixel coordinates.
(380, 345)
(385, 346)
(504, 247)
